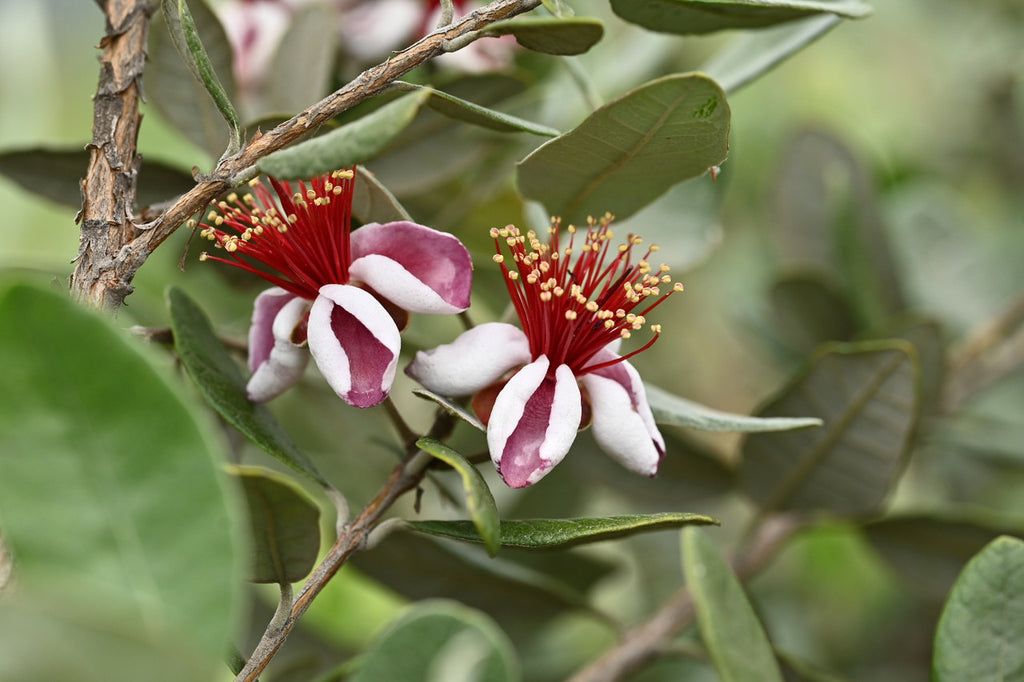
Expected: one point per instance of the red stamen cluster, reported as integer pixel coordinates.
(573, 302)
(302, 236)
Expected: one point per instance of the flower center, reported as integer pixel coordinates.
(302, 236)
(574, 301)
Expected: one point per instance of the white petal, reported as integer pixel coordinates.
(261, 331)
(623, 425)
(286, 361)
(475, 359)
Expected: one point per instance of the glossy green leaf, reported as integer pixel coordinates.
(753, 54)
(867, 395)
(980, 636)
(736, 643)
(285, 526)
(479, 501)
(222, 384)
(440, 641)
(299, 73)
(690, 17)
(552, 35)
(372, 202)
(552, 533)
(631, 150)
(56, 174)
(171, 87)
(677, 411)
(110, 486)
(352, 143)
(463, 413)
(464, 110)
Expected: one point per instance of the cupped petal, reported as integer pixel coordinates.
(534, 422)
(261, 332)
(280, 367)
(476, 358)
(355, 344)
(417, 268)
(622, 422)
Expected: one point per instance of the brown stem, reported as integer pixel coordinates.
(106, 265)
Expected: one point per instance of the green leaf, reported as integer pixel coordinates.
(672, 409)
(552, 35)
(299, 73)
(352, 143)
(806, 311)
(631, 150)
(285, 526)
(175, 92)
(552, 533)
(980, 635)
(453, 407)
(737, 644)
(222, 384)
(372, 202)
(692, 17)
(464, 110)
(867, 396)
(56, 173)
(753, 54)
(440, 641)
(479, 500)
(110, 485)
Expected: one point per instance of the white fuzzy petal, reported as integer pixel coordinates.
(286, 361)
(623, 430)
(475, 359)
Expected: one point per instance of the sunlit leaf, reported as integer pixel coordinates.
(631, 150)
(678, 411)
(285, 526)
(867, 396)
(479, 500)
(552, 35)
(222, 384)
(440, 641)
(552, 533)
(980, 634)
(464, 110)
(689, 17)
(110, 486)
(737, 644)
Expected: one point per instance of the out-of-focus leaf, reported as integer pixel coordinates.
(928, 339)
(56, 174)
(807, 311)
(737, 644)
(176, 94)
(631, 150)
(109, 488)
(552, 35)
(867, 395)
(553, 533)
(299, 73)
(440, 641)
(372, 202)
(285, 526)
(479, 500)
(980, 634)
(464, 110)
(689, 17)
(930, 550)
(752, 54)
(456, 409)
(352, 143)
(798, 670)
(677, 411)
(222, 384)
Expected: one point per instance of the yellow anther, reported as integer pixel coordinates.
(656, 328)
(592, 306)
(498, 258)
(204, 256)
(625, 334)
(570, 314)
(677, 286)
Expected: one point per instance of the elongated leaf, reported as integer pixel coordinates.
(176, 93)
(285, 526)
(464, 110)
(552, 35)
(372, 202)
(631, 150)
(552, 533)
(677, 411)
(737, 644)
(456, 409)
(440, 641)
(479, 500)
(750, 55)
(352, 143)
(689, 17)
(981, 633)
(222, 384)
(110, 487)
(807, 310)
(867, 396)
(299, 73)
(56, 174)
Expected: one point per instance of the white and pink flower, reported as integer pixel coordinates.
(535, 387)
(336, 291)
